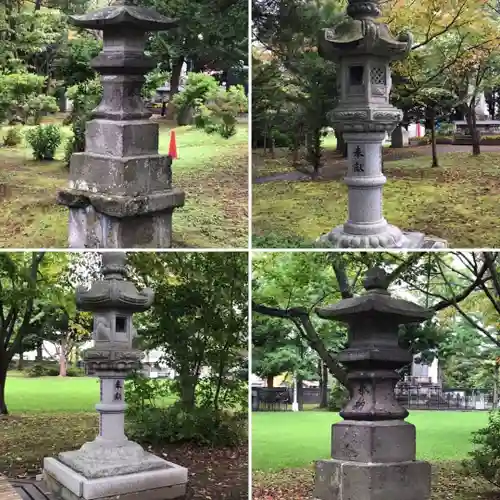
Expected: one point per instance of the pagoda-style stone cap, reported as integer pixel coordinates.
(360, 34)
(114, 292)
(125, 14)
(376, 301)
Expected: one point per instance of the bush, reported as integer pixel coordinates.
(485, 458)
(72, 371)
(44, 140)
(339, 396)
(13, 137)
(43, 370)
(85, 97)
(198, 86)
(220, 111)
(23, 97)
(141, 391)
(444, 140)
(199, 426)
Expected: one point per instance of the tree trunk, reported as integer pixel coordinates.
(270, 381)
(324, 386)
(435, 162)
(20, 363)
(3, 379)
(495, 387)
(471, 123)
(175, 79)
(187, 386)
(300, 393)
(62, 362)
(38, 4)
(39, 350)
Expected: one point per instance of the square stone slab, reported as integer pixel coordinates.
(343, 480)
(159, 484)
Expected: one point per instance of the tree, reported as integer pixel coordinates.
(198, 320)
(211, 34)
(19, 283)
(290, 286)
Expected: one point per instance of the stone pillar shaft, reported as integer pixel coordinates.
(111, 408)
(365, 181)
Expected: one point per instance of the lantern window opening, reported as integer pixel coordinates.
(356, 75)
(121, 324)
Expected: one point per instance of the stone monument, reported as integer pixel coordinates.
(111, 466)
(120, 191)
(400, 137)
(363, 48)
(373, 449)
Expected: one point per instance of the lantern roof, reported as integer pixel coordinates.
(375, 301)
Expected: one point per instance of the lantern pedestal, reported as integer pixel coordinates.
(163, 483)
(343, 480)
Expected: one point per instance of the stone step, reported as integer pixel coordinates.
(17, 489)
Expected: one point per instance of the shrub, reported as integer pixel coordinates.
(43, 370)
(85, 97)
(72, 371)
(13, 137)
(44, 140)
(198, 86)
(152, 81)
(141, 391)
(199, 426)
(485, 458)
(339, 396)
(23, 97)
(220, 111)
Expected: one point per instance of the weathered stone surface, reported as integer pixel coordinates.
(112, 465)
(121, 175)
(104, 459)
(161, 484)
(363, 49)
(380, 442)
(400, 137)
(342, 480)
(373, 450)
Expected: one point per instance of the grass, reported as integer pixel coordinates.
(458, 201)
(282, 440)
(53, 394)
(211, 170)
(284, 446)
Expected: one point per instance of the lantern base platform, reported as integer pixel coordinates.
(168, 482)
(343, 480)
(392, 237)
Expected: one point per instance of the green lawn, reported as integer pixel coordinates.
(212, 171)
(458, 201)
(53, 394)
(283, 440)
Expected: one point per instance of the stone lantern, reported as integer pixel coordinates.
(120, 192)
(363, 49)
(111, 466)
(373, 449)
(164, 93)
